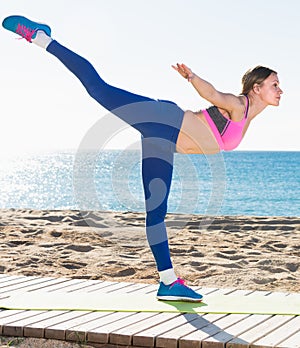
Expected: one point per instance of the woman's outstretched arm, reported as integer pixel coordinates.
(207, 91)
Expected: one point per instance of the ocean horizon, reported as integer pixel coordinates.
(251, 183)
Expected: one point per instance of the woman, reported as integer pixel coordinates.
(165, 129)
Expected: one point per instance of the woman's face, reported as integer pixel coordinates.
(269, 90)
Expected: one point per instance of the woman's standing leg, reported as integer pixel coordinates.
(157, 170)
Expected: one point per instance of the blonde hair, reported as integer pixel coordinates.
(255, 76)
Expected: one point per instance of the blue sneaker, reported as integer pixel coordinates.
(24, 27)
(177, 291)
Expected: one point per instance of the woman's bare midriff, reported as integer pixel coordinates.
(195, 135)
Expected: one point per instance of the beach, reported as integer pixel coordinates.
(240, 252)
(258, 253)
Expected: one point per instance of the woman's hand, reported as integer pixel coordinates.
(184, 71)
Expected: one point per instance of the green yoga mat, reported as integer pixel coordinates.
(214, 303)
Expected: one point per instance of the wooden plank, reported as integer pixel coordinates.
(54, 318)
(149, 289)
(170, 339)
(38, 285)
(101, 334)
(29, 329)
(279, 333)
(64, 286)
(98, 286)
(49, 285)
(58, 331)
(45, 282)
(124, 336)
(83, 287)
(140, 288)
(208, 291)
(79, 332)
(234, 292)
(13, 316)
(106, 287)
(101, 284)
(15, 328)
(148, 336)
(4, 278)
(131, 287)
(291, 342)
(195, 338)
(120, 288)
(6, 313)
(13, 280)
(84, 328)
(22, 285)
(248, 336)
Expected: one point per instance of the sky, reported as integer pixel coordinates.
(132, 44)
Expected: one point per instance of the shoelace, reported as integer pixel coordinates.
(178, 281)
(25, 32)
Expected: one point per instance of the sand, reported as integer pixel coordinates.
(259, 253)
(242, 252)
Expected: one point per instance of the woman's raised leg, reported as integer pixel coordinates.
(159, 123)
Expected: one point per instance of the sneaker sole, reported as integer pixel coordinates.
(177, 298)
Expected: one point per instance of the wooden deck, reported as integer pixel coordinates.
(120, 329)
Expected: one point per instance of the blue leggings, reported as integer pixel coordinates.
(158, 122)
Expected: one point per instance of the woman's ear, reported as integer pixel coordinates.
(256, 87)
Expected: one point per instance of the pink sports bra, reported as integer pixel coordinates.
(228, 133)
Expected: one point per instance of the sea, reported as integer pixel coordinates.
(260, 183)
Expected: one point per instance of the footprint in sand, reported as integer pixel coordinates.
(16, 243)
(265, 262)
(197, 254)
(105, 234)
(271, 245)
(178, 251)
(263, 281)
(229, 254)
(293, 267)
(56, 234)
(89, 215)
(57, 246)
(124, 272)
(80, 248)
(229, 251)
(252, 241)
(129, 256)
(73, 265)
(32, 231)
(273, 269)
(254, 253)
(88, 222)
(233, 265)
(199, 266)
(112, 262)
(280, 245)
